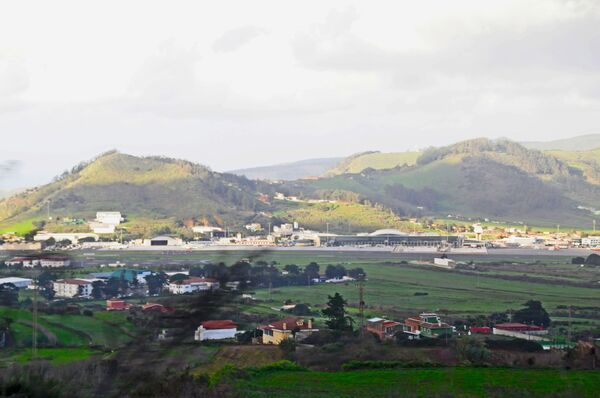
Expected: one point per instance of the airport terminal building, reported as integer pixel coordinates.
(392, 237)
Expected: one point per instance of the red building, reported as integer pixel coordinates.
(116, 305)
(519, 327)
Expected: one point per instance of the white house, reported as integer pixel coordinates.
(19, 283)
(109, 217)
(216, 330)
(72, 288)
(193, 284)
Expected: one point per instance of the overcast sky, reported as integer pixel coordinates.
(234, 84)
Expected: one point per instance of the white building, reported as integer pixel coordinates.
(591, 241)
(19, 283)
(58, 237)
(27, 262)
(216, 330)
(192, 284)
(444, 263)
(109, 217)
(163, 241)
(201, 229)
(54, 262)
(72, 288)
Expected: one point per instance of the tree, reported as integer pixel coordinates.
(155, 282)
(312, 270)
(292, 269)
(533, 313)
(357, 273)
(337, 318)
(335, 271)
(97, 289)
(9, 295)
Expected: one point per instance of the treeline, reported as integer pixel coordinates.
(263, 274)
(531, 161)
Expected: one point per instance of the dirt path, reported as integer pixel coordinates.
(49, 335)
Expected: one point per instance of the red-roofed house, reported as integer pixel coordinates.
(72, 288)
(383, 328)
(116, 305)
(216, 330)
(192, 284)
(480, 329)
(428, 325)
(276, 332)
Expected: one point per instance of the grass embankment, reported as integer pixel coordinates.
(443, 382)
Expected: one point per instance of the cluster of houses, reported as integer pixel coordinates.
(426, 325)
(50, 261)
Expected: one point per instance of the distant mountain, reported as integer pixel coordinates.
(373, 160)
(476, 178)
(289, 171)
(579, 143)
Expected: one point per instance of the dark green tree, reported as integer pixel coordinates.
(533, 313)
(337, 318)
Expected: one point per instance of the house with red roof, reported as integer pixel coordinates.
(193, 284)
(383, 328)
(288, 328)
(427, 325)
(216, 330)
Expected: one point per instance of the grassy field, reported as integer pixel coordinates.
(448, 382)
(57, 356)
(110, 331)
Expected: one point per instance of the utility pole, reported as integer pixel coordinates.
(569, 332)
(34, 350)
(48, 209)
(361, 303)
(594, 225)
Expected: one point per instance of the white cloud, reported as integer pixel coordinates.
(239, 83)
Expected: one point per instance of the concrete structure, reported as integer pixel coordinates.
(70, 288)
(163, 241)
(109, 217)
(58, 237)
(591, 241)
(193, 284)
(22, 246)
(383, 328)
(444, 262)
(200, 229)
(216, 330)
(20, 283)
(288, 328)
(102, 228)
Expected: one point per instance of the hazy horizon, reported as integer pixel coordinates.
(238, 84)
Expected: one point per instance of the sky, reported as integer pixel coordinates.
(234, 84)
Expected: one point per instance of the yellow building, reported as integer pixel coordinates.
(287, 328)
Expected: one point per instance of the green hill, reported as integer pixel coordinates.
(476, 178)
(141, 187)
(373, 160)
